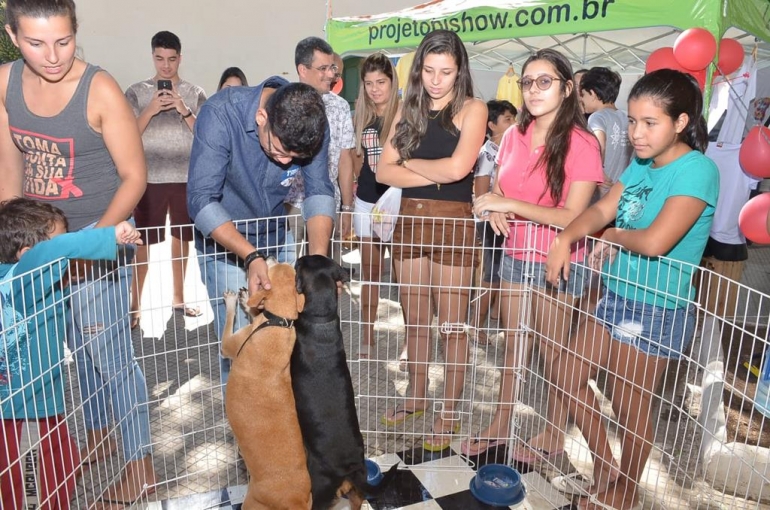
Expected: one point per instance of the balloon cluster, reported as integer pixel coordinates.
(693, 51)
(754, 157)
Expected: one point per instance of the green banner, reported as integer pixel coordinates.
(524, 18)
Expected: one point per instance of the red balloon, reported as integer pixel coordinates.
(753, 219)
(662, 58)
(700, 77)
(337, 87)
(754, 155)
(695, 48)
(730, 56)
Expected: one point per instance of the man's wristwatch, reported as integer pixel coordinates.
(189, 112)
(251, 257)
(347, 208)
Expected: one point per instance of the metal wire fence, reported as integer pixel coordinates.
(512, 362)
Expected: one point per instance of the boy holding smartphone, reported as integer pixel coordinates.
(166, 107)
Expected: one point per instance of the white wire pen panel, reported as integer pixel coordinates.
(466, 355)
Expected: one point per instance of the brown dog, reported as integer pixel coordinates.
(259, 398)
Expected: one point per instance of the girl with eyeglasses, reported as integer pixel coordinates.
(430, 153)
(549, 165)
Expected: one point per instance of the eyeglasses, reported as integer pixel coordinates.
(272, 153)
(325, 69)
(543, 83)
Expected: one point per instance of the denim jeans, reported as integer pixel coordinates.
(219, 276)
(654, 330)
(100, 338)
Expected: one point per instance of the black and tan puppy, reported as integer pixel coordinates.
(323, 391)
(259, 398)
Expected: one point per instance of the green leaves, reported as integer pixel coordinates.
(8, 52)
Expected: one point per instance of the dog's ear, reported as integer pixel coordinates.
(300, 302)
(340, 274)
(256, 299)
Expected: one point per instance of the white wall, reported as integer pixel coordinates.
(257, 35)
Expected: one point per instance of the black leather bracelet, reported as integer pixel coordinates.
(189, 112)
(251, 257)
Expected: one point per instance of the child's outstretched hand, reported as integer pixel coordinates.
(126, 233)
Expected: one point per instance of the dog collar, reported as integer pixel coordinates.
(272, 321)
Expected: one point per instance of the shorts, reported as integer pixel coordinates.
(158, 201)
(492, 254)
(441, 230)
(48, 484)
(654, 330)
(518, 271)
(362, 218)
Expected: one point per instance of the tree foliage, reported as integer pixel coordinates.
(8, 52)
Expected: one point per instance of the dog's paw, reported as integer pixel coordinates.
(243, 298)
(230, 299)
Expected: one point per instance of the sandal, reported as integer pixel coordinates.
(399, 410)
(446, 439)
(187, 311)
(527, 454)
(465, 448)
(573, 484)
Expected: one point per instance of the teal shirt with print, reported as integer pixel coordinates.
(664, 282)
(31, 348)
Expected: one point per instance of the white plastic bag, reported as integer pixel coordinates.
(385, 213)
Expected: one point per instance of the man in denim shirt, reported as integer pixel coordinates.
(249, 145)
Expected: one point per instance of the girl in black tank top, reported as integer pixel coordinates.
(430, 155)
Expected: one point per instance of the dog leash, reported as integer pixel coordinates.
(272, 320)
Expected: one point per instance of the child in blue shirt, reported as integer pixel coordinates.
(34, 253)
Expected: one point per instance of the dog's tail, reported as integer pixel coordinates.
(360, 483)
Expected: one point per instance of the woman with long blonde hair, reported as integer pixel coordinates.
(376, 107)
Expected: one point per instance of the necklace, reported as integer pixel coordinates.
(434, 117)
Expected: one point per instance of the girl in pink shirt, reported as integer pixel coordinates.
(548, 169)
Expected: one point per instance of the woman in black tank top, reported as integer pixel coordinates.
(430, 154)
(61, 111)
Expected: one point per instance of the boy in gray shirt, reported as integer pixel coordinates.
(599, 88)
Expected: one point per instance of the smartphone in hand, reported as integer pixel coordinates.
(164, 85)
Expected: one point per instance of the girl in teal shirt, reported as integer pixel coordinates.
(663, 207)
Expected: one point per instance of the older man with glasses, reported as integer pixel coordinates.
(316, 66)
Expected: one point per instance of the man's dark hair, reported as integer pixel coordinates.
(166, 40)
(306, 48)
(24, 223)
(603, 82)
(297, 118)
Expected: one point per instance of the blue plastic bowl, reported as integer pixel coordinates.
(373, 473)
(498, 485)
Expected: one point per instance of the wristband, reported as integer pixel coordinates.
(347, 208)
(189, 112)
(251, 257)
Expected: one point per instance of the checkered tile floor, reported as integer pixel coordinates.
(430, 481)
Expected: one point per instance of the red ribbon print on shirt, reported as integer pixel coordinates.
(49, 165)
